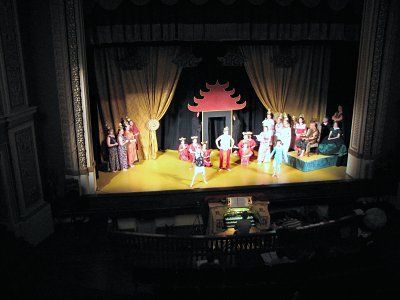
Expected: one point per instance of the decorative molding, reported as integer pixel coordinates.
(109, 4)
(11, 49)
(368, 76)
(71, 72)
(233, 58)
(388, 76)
(283, 58)
(370, 130)
(64, 93)
(4, 212)
(246, 31)
(338, 5)
(3, 82)
(70, 6)
(186, 58)
(310, 3)
(135, 60)
(26, 168)
(8, 203)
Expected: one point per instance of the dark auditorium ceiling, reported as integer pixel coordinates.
(220, 11)
(326, 16)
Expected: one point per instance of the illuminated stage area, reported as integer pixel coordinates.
(167, 173)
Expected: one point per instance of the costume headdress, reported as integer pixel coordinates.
(249, 133)
(124, 122)
(107, 127)
(194, 137)
(226, 128)
(204, 143)
(269, 112)
(128, 119)
(120, 126)
(244, 133)
(182, 138)
(285, 116)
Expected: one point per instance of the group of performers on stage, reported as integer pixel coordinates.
(275, 140)
(123, 148)
(277, 137)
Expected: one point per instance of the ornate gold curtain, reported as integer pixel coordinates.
(291, 79)
(138, 83)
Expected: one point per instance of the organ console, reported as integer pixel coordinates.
(235, 208)
(233, 215)
(225, 214)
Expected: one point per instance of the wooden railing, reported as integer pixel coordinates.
(170, 251)
(157, 250)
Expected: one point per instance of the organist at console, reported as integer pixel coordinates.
(224, 215)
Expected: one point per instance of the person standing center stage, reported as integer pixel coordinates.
(224, 143)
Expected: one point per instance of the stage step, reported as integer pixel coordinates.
(312, 162)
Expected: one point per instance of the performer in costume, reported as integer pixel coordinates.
(135, 131)
(338, 116)
(243, 141)
(278, 128)
(183, 149)
(279, 154)
(286, 133)
(252, 143)
(122, 151)
(333, 143)
(112, 144)
(131, 146)
(325, 128)
(246, 155)
(309, 138)
(206, 154)
(270, 123)
(271, 127)
(300, 129)
(224, 143)
(199, 168)
(192, 148)
(265, 139)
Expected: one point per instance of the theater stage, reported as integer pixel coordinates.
(168, 173)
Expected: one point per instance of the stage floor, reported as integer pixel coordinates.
(167, 172)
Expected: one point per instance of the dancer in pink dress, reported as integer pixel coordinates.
(183, 149)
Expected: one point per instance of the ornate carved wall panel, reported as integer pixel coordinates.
(3, 185)
(75, 67)
(11, 48)
(63, 86)
(69, 51)
(8, 204)
(22, 206)
(371, 130)
(3, 86)
(70, 59)
(26, 167)
(364, 128)
(388, 77)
